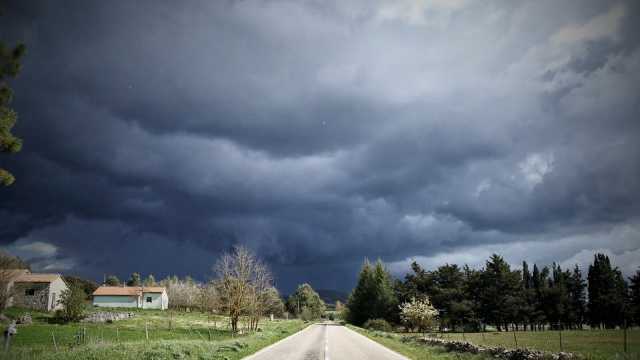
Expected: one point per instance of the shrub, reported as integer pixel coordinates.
(378, 324)
(72, 301)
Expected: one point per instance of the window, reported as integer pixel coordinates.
(149, 299)
(30, 292)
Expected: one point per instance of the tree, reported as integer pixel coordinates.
(273, 303)
(306, 298)
(577, 298)
(240, 281)
(209, 297)
(607, 293)
(418, 314)
(183, 293)
(9, 68)
(72, 301)
(373, 296)
(87, 286)
(134, 280)
(112, 280)
(149, 281)
(635, 297)
(10, 267)
(500, 291)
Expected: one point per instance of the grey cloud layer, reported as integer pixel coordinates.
(321, 132)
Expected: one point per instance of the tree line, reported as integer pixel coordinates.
(532, 298)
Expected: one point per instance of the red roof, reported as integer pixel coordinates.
(37, 278)
(127, 290)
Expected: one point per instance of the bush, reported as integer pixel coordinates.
(378, 324)
(72, 301)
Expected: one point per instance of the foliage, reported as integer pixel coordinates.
(135, 280)
(418, 314)
(273, 303)
(378, 325)
(150, 281)
(306, 298)
(635, 297)
(607, 293)
(10, 66)
(507, 299)
(87, 286)
(373, 296)
(112, 280)
(72, 301)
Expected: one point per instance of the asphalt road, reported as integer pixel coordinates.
(326, 342)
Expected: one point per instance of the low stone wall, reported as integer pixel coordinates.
(499, 352)
(101, 317)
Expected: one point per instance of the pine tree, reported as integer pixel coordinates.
(607, 293)
(9, 68)
(373, 297)
(500, 293)
(635, 297)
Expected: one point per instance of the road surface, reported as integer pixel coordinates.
(326, 342)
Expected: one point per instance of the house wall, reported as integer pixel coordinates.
(165, 301)
(55, 289)
(38, 301)
(156, 301)
(115, 301)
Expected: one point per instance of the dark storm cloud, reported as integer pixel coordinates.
(320, 133)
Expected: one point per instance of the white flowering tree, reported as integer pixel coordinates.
(418, 313)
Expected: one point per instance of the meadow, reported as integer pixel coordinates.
(150, 334)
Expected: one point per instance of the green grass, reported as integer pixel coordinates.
(599, 344)
(172, 335)
(412, 349)
(592, 344)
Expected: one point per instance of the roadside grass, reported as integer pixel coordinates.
(412, 349)
(171, 335)
(596, 344)
(591, 344)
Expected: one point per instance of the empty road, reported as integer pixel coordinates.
(326, 342)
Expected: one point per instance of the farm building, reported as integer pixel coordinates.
(38, 291)
(141, 297)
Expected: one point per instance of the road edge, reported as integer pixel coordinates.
(250, 356)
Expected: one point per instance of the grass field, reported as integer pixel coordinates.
(176, 335)
(592, 344)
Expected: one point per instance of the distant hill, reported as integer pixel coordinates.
(331, 296)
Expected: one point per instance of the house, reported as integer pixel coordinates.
(38, 291)
(142, 297)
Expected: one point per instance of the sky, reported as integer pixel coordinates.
(159, 134)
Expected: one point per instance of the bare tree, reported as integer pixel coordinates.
(184, 293)
(209, 300)
(10, 268)
(241, 282)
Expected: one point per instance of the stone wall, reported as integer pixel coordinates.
(38, 301)
(499, 352)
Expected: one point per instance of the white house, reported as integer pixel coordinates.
(38, 291)
(142, 297)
